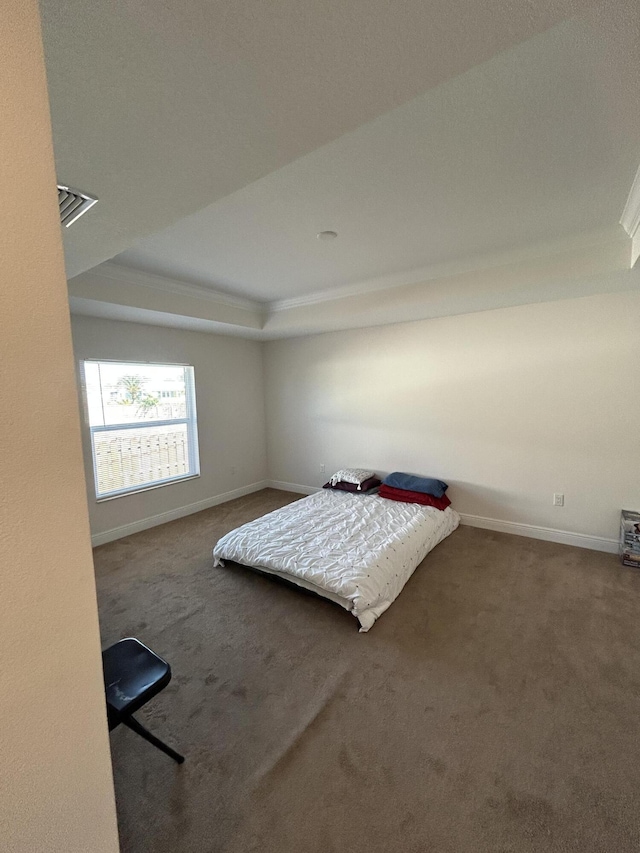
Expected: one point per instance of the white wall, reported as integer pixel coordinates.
(509, 406)
(231, 418)
(56, 790)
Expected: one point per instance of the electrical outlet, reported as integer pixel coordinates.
(558, 499)
(233, 469)
(322, 467)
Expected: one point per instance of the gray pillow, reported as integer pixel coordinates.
(413, 483)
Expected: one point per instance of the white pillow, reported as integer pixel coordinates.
(351, 475)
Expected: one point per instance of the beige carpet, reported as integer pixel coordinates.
(495, 706)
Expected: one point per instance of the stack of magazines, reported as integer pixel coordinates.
(630, 538)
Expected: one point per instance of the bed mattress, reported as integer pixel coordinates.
(356, 550)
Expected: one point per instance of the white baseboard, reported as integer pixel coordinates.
(549, 534)
(173, 514)
(292, 487)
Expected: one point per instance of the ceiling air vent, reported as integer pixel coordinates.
(72, 204)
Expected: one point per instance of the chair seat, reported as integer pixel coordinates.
(133, 674)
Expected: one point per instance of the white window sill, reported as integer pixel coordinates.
(148, 488)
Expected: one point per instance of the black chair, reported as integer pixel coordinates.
(133, 674)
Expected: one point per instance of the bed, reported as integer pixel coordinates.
(357, 550)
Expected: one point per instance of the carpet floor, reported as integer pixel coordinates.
(494, 707)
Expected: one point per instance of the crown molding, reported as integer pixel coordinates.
(630, 219)
(84, 307)
(522, 255)
(585, 264)
(129, 275)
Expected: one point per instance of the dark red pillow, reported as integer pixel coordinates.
(414, 497)
(343, 486)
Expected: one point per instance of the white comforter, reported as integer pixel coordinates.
(357, 550)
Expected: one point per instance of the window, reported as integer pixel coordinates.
(142, 419)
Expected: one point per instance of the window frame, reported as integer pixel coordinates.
(190, 421)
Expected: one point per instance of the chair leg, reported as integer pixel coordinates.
(139, 729)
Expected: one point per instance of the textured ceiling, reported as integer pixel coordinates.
(536, 144)
(161, 108)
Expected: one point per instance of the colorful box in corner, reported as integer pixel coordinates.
(630, 538)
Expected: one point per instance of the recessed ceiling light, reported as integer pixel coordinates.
(327, 235)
